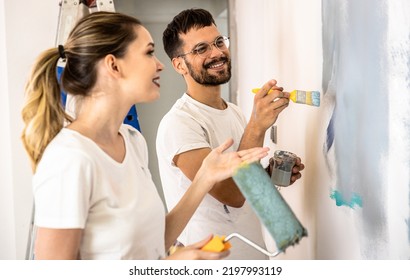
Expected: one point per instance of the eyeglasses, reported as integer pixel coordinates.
(205, 49)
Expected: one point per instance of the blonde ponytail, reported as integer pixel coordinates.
(43, 113)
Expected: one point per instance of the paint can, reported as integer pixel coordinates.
(283, 163)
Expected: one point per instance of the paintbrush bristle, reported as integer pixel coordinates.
(306, 97)
(315, 98)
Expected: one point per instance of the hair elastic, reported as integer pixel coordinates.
(61, 51)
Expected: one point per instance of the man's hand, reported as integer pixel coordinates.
(296, 175)
(267, 107)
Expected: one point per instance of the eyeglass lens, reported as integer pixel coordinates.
(205, 49)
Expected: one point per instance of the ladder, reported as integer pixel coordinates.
(70, 12)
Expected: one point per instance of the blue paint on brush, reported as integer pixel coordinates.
(340, 201)
(305, 97)
(315, 98)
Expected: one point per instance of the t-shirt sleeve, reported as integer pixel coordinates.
(179, 133)
(62, 189)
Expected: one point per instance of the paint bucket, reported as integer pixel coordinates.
(283, 163)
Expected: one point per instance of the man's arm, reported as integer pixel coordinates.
(266, 109)
(265, 112)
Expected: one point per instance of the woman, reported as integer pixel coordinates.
(93, 192)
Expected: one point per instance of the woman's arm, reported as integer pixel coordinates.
(57, 244)
(216, 167)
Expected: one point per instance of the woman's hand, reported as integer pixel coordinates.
(194, 252)
(218, 165)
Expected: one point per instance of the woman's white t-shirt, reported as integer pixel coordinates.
(77, 185)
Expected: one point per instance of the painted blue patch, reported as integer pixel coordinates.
(340, 201)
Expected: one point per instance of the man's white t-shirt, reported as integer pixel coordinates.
(77, 185)
(191, 125)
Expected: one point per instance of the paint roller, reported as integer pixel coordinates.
(269, 205)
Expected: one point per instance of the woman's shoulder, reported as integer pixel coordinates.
(68, 147)
(130, 133)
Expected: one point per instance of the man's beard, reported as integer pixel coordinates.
(206, 79)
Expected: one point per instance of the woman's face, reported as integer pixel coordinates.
(141, 68)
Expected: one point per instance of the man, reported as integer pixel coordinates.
(200, 120)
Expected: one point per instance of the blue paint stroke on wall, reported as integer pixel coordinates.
(366, 76)
(341, 201)
(354, 72)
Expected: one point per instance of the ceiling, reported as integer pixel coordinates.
(164, 10)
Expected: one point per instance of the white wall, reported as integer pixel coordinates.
(26, 28)
(7, 237)
(283, 42)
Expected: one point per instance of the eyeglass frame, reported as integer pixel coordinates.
(195, 50)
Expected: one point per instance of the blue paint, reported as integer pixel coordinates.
(316, 98)
(340, 201)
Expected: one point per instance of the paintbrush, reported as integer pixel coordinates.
(299, 96)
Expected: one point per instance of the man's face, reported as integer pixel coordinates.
(215, 68)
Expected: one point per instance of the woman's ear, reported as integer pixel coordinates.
(111, 65)
(179, 65)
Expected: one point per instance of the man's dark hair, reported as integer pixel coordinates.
(181, 24)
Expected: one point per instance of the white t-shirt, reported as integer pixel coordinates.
(77, 185)
(192, 125)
